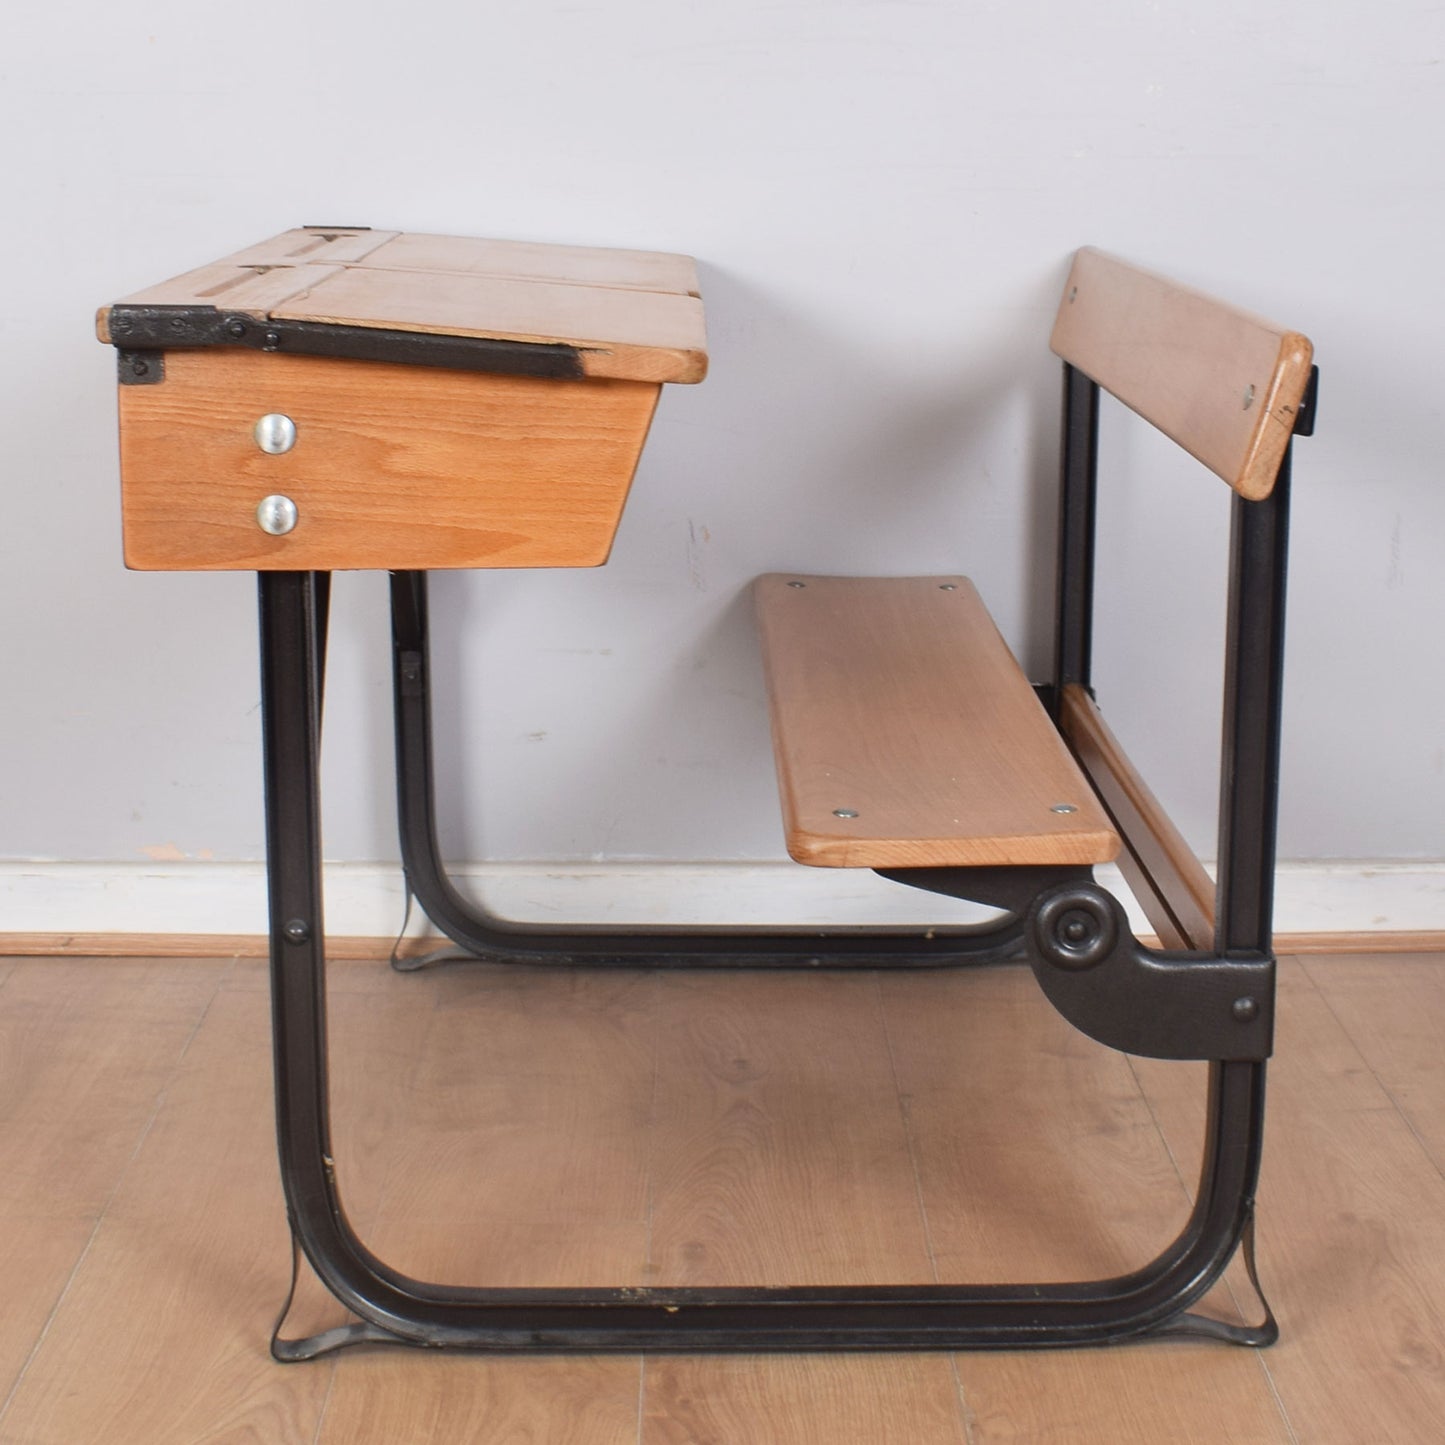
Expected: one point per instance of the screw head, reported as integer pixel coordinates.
(1064, 808)
(139, 367)
(845, 812)
(948, 587)
(797, 584)
(297, 930)
(275, 433)
(235, 327)
(1248, 396)
(276, 515)
(1245, 1009)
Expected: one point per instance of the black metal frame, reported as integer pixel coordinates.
(1216, 1006)
(142, 335)
(481, 935)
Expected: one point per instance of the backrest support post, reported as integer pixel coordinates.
(1253, 696)
(1079, 464)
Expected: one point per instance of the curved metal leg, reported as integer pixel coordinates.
(392, 1306)
(483, 936)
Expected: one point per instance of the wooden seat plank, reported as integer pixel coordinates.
(905, 734)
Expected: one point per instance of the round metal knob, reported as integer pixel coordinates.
(1075, 926)
(275, 433)
(276, 515)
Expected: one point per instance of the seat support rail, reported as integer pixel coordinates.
(484, 936)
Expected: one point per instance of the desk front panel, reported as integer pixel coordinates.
(392, 466)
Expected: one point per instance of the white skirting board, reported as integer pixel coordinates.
(365, 899)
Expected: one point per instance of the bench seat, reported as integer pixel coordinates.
(906, 735)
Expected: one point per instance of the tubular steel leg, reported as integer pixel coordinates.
(1078, 492)
(496, 940)
(392, 1306)
(1253, 704)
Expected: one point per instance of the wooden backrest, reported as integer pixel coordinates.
(1222, 383)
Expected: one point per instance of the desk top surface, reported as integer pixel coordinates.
(634, 315)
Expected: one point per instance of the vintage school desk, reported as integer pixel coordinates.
(343, 398)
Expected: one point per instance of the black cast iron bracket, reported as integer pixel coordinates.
(1160, 1005)
(139, 368)
(1012, 888)
(1108, 985)
(1304, 417)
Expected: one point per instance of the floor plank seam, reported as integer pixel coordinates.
(908, 1138)
(651, 1198)
(1278, 1399)
(959, 1394)
(965, 1415)
(161, 1094)
(385, 1190)
(641, 1397)
(1159, 1128)
(1225, 1280)
(1259, 1354)
(325, 1401)
(651, 1155)
(1354, 1223)
(1409, 1123)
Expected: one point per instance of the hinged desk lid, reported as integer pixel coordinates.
(387, 295)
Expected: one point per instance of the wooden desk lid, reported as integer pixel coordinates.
(433, 300)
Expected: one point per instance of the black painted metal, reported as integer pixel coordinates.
(1077, 943)
(165, 328)
(392, 1306)
(1304, 421)
(1013, 889)
(1079, 482)
(1159, 1005)
(1253, 703)
(497, 940)
(321, 607)
(140, 368)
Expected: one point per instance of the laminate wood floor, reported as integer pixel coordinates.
(524, 1126)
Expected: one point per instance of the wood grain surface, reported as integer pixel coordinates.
(633, 315)
(308, 245)
(393, 466)
(1222, 383)
(534, 261)
(378, 948)
(252, 289)
(1170, 883)
(629, 334)
(1351, 1215)
(728, 1106)
(896, 702)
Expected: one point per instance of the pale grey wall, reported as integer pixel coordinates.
(883, 197)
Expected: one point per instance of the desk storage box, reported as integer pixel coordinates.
(345, 398)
